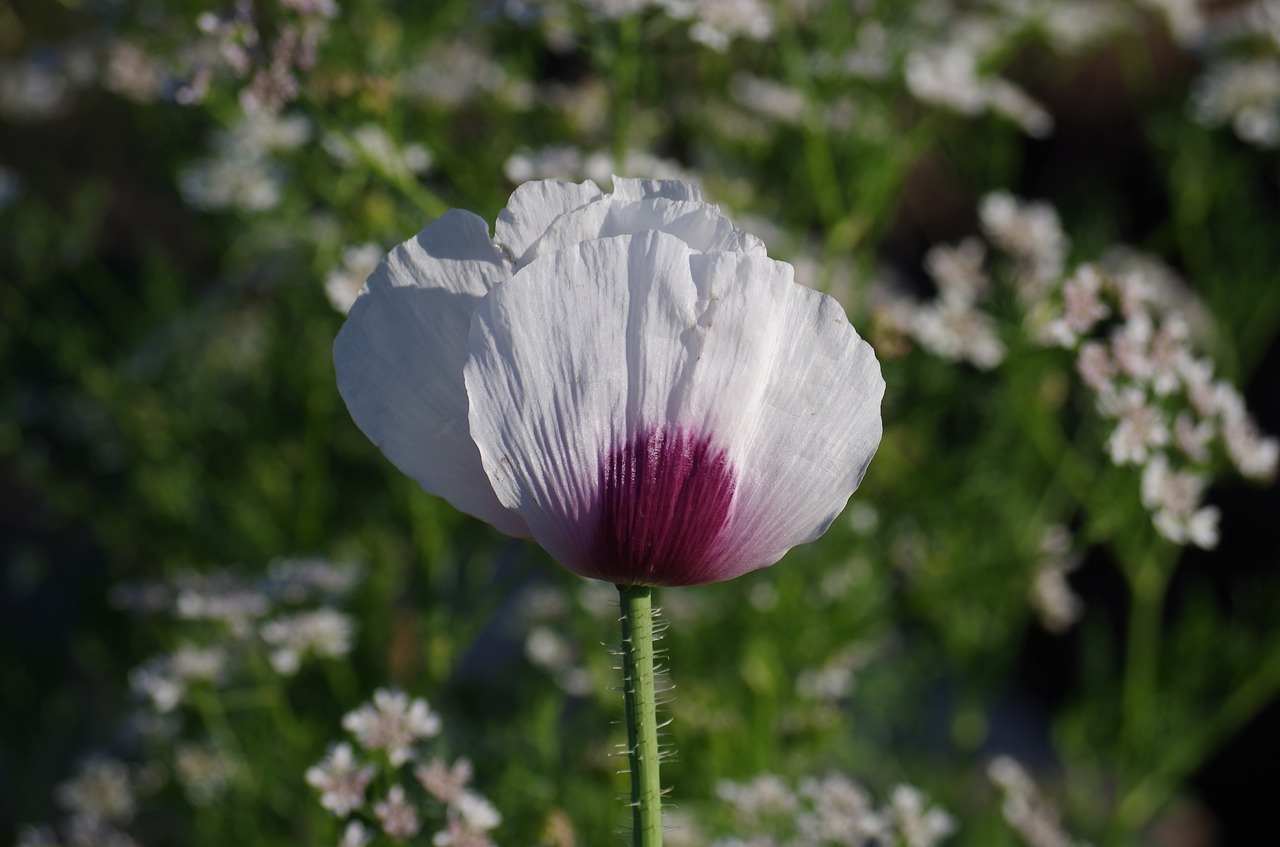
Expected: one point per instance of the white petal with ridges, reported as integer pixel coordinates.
(533, 207)
(399, 360)
(587, 348)
(700, 226)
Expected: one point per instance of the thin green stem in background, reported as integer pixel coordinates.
(642, 719)
(626, 77)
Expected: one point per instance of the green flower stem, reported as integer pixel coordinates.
(642, 719)
(626, 80)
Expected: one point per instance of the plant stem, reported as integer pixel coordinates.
(642, 719)
(626, 75)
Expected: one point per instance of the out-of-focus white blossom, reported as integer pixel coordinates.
(717, 22)
(344, 282)
(341, 780)
(101, 792)
(1175, 498)
(1051, 596)
(241, 173)
(164, 680)
(948, 75)
(958, 331)
(392, 722)
(356, 834)
(572, 163)
(446, 783)
(373, 147)
(321, 632)
(398, 817)
(1141, 427)
(1030, 232)
(917, 823)
(958, 270)
(203, 770)
(1096, 367)
(1244, 93)
(1034, 819)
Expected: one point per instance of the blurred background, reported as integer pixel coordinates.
(1048, 617)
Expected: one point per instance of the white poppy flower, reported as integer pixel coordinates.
(627, 378)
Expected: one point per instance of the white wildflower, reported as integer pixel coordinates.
(1032, 233)
(1169, 352)
(1192, 435)
(1174, 497)
(203, 771)
(841, 810)
(398, 817)
(476, 812)
(344, 282)
(763, 797)
(718, 22)
(341, 780)
(1254, 455)
(1095, 366)
(372, 146)
(771, 99)
(356, 835)
(1131, 347)
(1024, 809)
(1051, 596)
(1140, 428)
(101, 792)
(918, 825)
(1244, 93)
(296, 580)
(392, 723)
(323, 632)
(1082, 306)
(444, 782)
(957, 270)
(957, 331)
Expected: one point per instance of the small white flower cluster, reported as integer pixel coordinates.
(344, 282)
(828, 811)
(100, 801)
(1130, 323)
(371, 146)
(947, 74)
(574, 164)
(952, 325)
(716, 23)
(1134, 351)
(546, 647)
(460, 71)
(1034, 819)
(245, 616)
(1240, 85)
(1244, 93)
(242, 173)
(233, 46)
(1051, 596)
(393, 725)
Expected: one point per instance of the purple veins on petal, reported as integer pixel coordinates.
(664, 503)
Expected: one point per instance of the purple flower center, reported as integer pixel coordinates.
(664, 502)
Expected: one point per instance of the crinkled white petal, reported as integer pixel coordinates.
(643, 189)
(700, 226)
(399, 360)
(533, 207)
(590, 346)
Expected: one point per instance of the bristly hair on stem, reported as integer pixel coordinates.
(644, 751)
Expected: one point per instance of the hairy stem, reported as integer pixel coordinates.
(642, 720)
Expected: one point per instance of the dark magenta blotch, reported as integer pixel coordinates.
(664, 503)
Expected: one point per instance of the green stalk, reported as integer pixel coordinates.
(642, 718)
